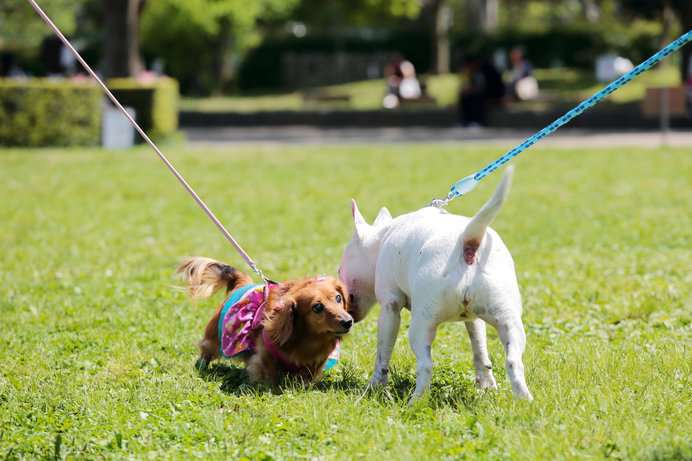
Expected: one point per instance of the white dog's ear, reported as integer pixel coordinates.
(383, 217)
(358, 220)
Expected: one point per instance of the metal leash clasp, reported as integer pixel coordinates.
(440, 202)
(258, 271)
(460, 188)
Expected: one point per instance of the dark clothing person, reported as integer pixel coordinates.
(485, 87)
(521, 70)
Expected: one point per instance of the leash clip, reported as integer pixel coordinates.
(258, 271)
(440, 202)
(460, 188)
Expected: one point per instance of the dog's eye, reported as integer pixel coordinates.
(338, 299)
(317, 308)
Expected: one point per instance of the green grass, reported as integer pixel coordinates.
(558, 87)
(364, 95)
(98, 347)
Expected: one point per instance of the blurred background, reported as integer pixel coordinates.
(462, 63)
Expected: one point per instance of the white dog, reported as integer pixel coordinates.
(443, 268)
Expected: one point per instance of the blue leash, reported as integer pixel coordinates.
(466, 184)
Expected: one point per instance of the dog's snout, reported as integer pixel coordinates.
(346, 323)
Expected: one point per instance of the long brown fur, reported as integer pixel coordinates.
(305, 338)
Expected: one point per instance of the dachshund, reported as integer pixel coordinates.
(286, 329)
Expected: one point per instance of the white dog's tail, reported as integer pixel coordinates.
(475, 230)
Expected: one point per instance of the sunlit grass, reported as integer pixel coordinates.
(98, 347)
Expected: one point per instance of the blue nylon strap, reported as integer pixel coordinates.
(468, 183)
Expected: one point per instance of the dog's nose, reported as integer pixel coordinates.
(346, 324)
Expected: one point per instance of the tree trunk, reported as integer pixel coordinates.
(491, 15)
(684, 10)
(435, 16)
(121, 38)
(482, 15)
(443, 19)
(589, 10)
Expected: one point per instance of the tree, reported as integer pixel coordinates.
(657, 9)
(482, 15)
(200, 39)
(321, 15)
(121, 54)
(436, 16)
(22, 27)
(684, 11)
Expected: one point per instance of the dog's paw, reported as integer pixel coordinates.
(375, 385)
(201, 365)
(486, 382)
(417, 400)
(526, 397)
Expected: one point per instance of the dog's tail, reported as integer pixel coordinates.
(475, 230)
(206, 276)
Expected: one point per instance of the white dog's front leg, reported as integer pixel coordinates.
(513, 337)
(421, 335)
(481, 361)
(387, 331)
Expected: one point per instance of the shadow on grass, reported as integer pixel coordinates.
(449, 386)
(233, 378)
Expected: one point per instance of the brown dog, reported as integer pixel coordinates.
(290, 331)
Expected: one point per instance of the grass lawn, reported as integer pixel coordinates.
(558, 86)
(98, 347)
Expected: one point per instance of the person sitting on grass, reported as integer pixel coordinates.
(400, 75)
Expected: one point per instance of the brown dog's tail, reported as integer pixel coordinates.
(475, 230)
(206, 276)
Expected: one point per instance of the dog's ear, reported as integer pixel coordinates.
(358, 221)
(279, 324)
(383, 217)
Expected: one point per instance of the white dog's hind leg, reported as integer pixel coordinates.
(481, 361)
(511, 332)
(387, 331)
(421, 335)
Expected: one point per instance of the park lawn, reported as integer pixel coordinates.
(98, 345)
(559, 87)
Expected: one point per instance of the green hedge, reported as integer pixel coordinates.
(261, 68)
(156, 104)
(46, 112)
(569, 47)
(41, 112)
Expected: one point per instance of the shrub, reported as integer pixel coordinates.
(261, 68)
(43, 112)
(570, 47)
(577, 48)
(156, 103)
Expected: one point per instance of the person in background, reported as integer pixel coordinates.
(402, 83)
(688, 85)
(483, 87)
(522, 86)
(8, 68)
